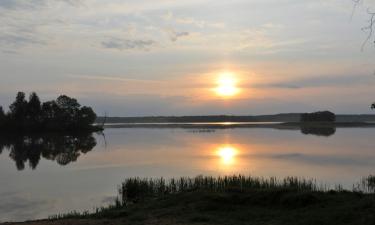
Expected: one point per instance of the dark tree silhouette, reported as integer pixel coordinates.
(86, 116)
(324, 116)
(68, 110)
(34, 110)
(50, 111)
(18, 110)
(64, 113)
(2, 117)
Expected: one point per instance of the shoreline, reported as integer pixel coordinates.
(226, 125)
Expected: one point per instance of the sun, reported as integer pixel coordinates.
(226, 85)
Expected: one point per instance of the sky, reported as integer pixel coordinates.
(166, 57)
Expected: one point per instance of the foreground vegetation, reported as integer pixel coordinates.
(232, 200)
(62, 114)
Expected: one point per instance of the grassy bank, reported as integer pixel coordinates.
(231, 200)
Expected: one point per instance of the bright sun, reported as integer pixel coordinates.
(226, 85)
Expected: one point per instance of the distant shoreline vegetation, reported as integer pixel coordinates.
(321, 116)
(62, 114)
(284, 118)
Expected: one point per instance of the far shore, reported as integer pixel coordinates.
(228, 125)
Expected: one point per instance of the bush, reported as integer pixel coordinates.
(322, 116)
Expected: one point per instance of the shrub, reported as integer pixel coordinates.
(322, 116)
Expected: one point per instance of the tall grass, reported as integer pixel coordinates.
(135, 189)
(366, 185)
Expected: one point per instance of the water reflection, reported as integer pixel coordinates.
(342, 158)
(62, 148)
(318, 131)
(227, 154)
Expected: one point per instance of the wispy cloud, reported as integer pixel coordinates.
(126, 44)
(330, 80)
(21, 4)
(174, 35)
(34, 4)
(169, 16)
(112, 78)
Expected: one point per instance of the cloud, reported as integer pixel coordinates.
(9, 52)
(28, 22)
(34, 4)
(174, 35)
(73, 2)
(113, 78)
(169, 16)
(127, 44)
(199, 23)
(321, 81)
(17, 33)
(18, 40)
(21, 4)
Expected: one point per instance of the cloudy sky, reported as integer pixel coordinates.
(163, 57)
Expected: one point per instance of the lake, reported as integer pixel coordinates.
(42, 176)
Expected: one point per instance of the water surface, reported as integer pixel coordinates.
(41, 176)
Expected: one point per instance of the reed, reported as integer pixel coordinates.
(217, 194)
(367, 185)
(136, 189)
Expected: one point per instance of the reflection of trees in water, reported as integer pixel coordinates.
(318, 131)
(62, 148)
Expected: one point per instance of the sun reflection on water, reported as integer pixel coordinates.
(227, 154)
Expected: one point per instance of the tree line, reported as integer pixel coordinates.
(62, 114)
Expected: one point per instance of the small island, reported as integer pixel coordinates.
(64, 114)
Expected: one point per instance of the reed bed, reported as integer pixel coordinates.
(290, 192)
(134, 189)
(367, 185)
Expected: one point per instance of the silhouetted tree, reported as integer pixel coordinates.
(50, 110)
(34, 111)
(86, 116)
(68, 111)
(18, 110)
(2, 117)
(64, 113)
(324, 116)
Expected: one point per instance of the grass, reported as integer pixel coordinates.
(235, 200)
(136, 189)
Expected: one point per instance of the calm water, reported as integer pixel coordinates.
(42, 176)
